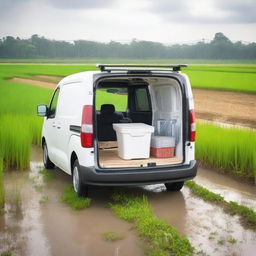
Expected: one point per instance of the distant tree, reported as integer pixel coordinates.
(221, 47)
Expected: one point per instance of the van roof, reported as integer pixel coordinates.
(78, 77)
(124, 68)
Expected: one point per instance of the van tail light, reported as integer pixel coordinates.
(192, 123)
(87, 127)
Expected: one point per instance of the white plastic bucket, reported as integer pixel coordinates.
(133, 140)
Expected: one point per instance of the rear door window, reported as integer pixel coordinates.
(115, 96)
(141, 99)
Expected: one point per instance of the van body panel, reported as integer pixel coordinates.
(85, 155)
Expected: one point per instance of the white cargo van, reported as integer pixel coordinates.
(84, 115)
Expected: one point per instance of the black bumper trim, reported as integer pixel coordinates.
(140, 177)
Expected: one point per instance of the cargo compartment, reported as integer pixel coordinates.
(138, 122)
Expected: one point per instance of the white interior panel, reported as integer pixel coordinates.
(167, 104)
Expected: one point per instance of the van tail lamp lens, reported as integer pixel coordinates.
(192, 123)
(87, 127)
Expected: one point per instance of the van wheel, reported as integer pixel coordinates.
(48, 164)
(80, 188)
(176, 186)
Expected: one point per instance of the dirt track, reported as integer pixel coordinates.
(223, 106)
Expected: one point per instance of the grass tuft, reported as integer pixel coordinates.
(160, 238)
(232, 240)
(247, 215)
(204, 193)
(112, 236)
(2, 193)
(44, 200)
(77, 203)
(47, 175)
(8, 253)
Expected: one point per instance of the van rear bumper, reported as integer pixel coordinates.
(144, 176)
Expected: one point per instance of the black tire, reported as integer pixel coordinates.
(48, 164)
(79, 187)
(176, 186)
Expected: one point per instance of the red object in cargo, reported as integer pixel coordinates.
(162, 146)
(162, 152)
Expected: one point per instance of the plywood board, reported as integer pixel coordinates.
(109, 158)
(107, 144)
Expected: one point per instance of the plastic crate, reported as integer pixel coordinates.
(162, 147)
(133, 140)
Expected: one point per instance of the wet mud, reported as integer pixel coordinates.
(226, 106)
(36, 222)
(210, 230)
(39, 223)
(230, 189)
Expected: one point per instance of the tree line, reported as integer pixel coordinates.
(220, 47)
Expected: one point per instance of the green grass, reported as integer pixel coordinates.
(204, 193)
(8, 253)
(19, 124)
(112, 236)
(20, 99)
(160, 238)
(247, 215)
(232, 150)
(48, 175)
(240, 78)
(44, 200)
(222, 77)
(2, 193)
(71, 198)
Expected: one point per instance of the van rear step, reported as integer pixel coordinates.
(108, 158)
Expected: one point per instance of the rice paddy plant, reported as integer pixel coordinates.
(2, 197)
(16, 136)
(19, 124)
(222, 78)
(232, 150)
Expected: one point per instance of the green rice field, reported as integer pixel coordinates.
(20, 126)
(128, 61)
(231, 149)
(240, 78)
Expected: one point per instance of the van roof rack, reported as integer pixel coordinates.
(136, 68)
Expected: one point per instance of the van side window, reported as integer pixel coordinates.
(53, 105)
(141, 99)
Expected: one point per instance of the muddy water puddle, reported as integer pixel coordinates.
(36, 222)
(209, 229)
(230, 189)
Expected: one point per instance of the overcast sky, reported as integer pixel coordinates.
(167, 21)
